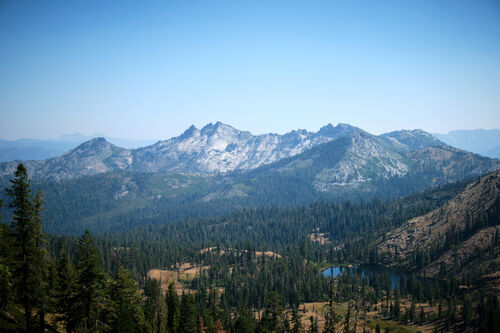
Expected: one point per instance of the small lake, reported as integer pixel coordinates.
(367, 271)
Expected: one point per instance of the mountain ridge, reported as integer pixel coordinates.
(455, 238)
(215, 148)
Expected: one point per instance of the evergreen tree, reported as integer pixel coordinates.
(89, 297)
(29, 256)
(65, 282)
(330, 317)
(128, 315)
(155, 309)
(467, 312)
(188, 314)
(413, 312)
(347, 318)
(397, 305)
(297, 322)
(422, 315)
(313, 326)
(245, 323)
(173, 307)
(5, 262)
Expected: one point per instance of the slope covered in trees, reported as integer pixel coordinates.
(354, 167)
(101, 284)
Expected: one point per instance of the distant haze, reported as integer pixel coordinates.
(483, 142)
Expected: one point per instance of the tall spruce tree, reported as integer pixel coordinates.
(5, 262)
(313, 328)
(155, 308)
(188, 319)
(173, 307)
(330, 315)
(65, 281)
(245, 323)
(128, 315)
(29, 257)
(88, 300)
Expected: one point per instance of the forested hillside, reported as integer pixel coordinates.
(94, 284)
(98, 187)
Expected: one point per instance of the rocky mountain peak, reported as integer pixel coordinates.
(218, 127)
(337, 131)
(411, 140)
(192, 130)
(95, 146)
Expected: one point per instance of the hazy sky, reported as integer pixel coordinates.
(142, 69)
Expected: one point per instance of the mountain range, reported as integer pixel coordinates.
(220, 148)
(216, 169)
(213, 149)
(483, 142)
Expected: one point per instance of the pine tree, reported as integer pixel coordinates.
(297, 322)
(89, 297)
(29, 256)
(128, 315)
(65, 280)
(245, 322)
(347, 318)
(188, 314)
(173, 308)
(467, 312)
(5, 262)
(155, 308)
(314, 325)
(413, 312)
(330, 317)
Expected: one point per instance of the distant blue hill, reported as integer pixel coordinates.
(37, 149)
(483, 142)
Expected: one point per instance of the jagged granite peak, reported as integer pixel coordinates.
(215, 148)
(220, 148)
(187, 133)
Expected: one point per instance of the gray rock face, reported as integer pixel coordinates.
(365, 158)
(216, 148)
(219, 148)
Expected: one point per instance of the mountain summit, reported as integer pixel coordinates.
(219, 148)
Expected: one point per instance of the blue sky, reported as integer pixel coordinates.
(150, 69)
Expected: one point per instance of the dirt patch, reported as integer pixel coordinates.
(319, 237)
(268, 254)
(186, 273)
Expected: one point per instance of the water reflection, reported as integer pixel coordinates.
(369, 272)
